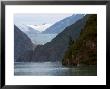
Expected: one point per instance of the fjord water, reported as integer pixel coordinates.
(52, 69)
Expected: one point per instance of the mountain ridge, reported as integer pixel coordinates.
(62, 24)
(84, 49)
(54, 50)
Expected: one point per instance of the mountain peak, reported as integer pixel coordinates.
(40, 27)
(62, 24)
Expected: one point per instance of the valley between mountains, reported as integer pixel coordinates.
(71, 41)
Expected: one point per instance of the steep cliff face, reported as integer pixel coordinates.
(84, 49)
(54, 50)
(22, 46)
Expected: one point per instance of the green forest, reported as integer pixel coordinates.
(84, 49)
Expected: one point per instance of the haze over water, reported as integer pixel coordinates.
(52, 69)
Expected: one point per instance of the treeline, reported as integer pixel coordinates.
(84, 49)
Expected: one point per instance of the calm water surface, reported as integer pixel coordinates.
(52, 69)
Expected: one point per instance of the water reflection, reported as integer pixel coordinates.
(52, 69)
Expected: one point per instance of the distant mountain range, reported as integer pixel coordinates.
(34, 28)
(54, 50)
(27, 29)
(33, 31)
(51, 51)
(62, 24)
(41, 27)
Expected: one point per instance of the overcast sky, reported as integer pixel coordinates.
(34, 19)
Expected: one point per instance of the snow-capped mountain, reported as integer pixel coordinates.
(40, 27)
(34, 32)
(38, 32)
